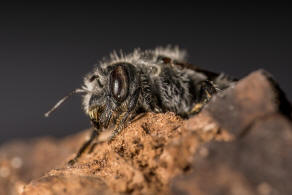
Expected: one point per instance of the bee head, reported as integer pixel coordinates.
(108, 93)
(111, 91)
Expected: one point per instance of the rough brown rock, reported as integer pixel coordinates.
(22, 161)
(239, 144)
(254, 97)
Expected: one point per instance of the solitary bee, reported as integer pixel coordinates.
(159, 80)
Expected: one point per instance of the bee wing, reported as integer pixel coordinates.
(211, 75)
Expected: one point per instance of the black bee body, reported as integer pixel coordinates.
(156, 80)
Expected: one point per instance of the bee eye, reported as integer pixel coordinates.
(119, 83)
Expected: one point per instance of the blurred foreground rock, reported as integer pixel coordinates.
(241, 143)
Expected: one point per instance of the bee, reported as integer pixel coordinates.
(159, 80)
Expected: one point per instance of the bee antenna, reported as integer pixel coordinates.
(61, 101)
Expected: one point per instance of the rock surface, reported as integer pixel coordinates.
(240, 143)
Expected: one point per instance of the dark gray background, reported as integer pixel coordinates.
(45, 50)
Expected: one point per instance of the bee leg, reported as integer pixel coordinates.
(85, 145)
(104, 119)
(205, 93)
(122, 119)
(120, 124)
(197, 108)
